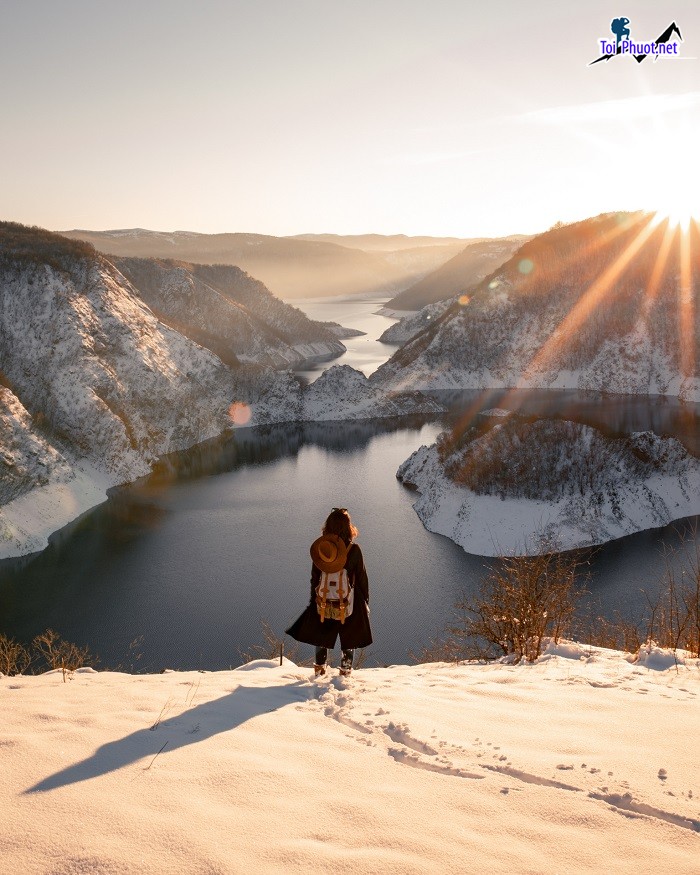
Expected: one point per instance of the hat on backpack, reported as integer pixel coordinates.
(329, 553)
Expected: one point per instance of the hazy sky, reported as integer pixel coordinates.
(443, 117)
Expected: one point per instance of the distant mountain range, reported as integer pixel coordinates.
(608, 304)
(306, 266)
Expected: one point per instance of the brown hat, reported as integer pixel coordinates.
(329, 553)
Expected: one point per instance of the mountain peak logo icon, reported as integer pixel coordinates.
(664, 44)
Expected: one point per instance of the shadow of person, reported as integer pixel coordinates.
(192, 726)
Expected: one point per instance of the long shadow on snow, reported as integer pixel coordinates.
(190, 727)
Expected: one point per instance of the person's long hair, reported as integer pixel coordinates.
(339, 523)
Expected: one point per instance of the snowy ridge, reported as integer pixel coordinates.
(576, 764)
(549, 319)
(545, 503)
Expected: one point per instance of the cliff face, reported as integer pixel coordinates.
(528, 487)
(607, 305)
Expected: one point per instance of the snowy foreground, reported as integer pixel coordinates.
(582, 762)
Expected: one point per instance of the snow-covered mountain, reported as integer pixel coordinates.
(412, 324)
(234, 315)
(606, 305)
(94, 387)
(522, 487)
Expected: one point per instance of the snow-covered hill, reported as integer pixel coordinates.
(94, 387)
(413, 323)
(604, 305)
(340, 393)
(582, 763)
(229, 312)
(523, 487)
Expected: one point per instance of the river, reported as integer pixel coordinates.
(179, 569)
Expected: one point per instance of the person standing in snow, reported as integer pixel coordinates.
(338, 570)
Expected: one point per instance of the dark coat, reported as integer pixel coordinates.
(355, 631)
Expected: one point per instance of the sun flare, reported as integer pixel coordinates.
(678, 214)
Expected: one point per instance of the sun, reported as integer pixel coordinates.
(678, 215)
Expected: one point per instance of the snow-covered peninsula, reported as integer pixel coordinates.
(581, 763)
(524, 487)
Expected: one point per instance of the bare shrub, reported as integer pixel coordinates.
(618, 633)
(674, 616)
(523, 601)
(58, 653)
(15, 658)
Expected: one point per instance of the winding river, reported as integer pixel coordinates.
(179, 569)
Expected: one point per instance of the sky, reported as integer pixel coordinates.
(446, 117)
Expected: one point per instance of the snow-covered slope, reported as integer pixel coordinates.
(604, 305)
(581, 764)
(234, 315)
(340, 393)
(40, 489)
(94, 387)
(409, 326)
(27, 460)
(524, 487)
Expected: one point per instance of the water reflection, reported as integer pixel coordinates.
(614, 415)
(192, 557)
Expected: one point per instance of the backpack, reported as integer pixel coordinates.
(334, 596)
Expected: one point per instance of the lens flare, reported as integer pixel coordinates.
(464, 300)
(526, 266)
(239, 413)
